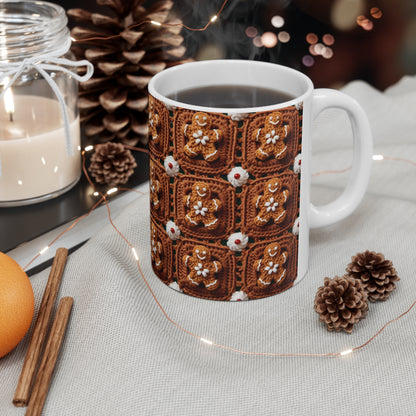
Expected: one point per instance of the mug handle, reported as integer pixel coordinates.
(346, 203)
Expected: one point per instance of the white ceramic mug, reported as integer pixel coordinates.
(230, 187)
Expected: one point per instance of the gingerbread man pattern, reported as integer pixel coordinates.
(154, 188)
(157, 250)
(270, 268)
(272, 137)
(202, 270)
(202, 207)
(271, 204)
(202, 138)
(154, 122)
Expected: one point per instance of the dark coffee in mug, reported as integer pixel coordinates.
(231, 96)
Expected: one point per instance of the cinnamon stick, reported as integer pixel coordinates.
(27, 376)
(47, 365)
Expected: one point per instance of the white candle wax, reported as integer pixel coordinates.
(33, 155)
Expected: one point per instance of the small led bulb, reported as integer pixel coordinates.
(207, 341)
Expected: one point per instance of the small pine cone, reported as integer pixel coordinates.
(341, 303)
(112, 164)
(376, 274)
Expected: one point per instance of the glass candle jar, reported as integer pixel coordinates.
(40, 147)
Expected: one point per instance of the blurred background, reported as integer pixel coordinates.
(332, 41)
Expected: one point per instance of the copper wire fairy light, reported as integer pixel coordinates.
(204, 340)
(375, 157)
(154, 22)
(225, 347)
(64, 232)
(104, 200)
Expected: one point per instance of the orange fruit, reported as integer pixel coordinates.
(17, 304)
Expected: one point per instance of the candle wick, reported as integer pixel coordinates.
(11, 116)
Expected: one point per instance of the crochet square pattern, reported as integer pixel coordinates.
(206, 271)
(204, 146)
(269, 147)
(270, 265)
(161, 253)
(159, 128)
(216, 219)
(225, 200)
(159, 192)
(270, 204)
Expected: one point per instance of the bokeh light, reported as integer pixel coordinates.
(376, 13)
(360, 20)
(269, 39)
(278, 21)
(319, 48)
(284, 36)
(311, 38)
(328, 53)
(251, 31)
(367, 25)
(308, 60)
(364, 22)
(312, 50)
(257, 41)
(344, 12)
(328, 39)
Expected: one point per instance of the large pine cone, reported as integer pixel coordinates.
(112, 164)
(376, 274)
(113, 103)
(341, 303)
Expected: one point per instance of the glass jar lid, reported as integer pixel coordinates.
(31, 28)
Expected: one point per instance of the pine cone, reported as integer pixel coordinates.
(111, 164)
(113, 103)
(376, 274)
(341, 303)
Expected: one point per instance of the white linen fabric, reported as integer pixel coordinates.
(122, 357)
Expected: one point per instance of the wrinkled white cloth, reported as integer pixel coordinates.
(122, 357)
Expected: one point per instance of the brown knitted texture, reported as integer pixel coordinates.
(218, 284)
(159, 192)
(257, 127)
(228, 211)
(257, 219)
(197, 158)
(114, 101)
(376, 274)
(185, 199)
(161, 253)
(111, 164)
(341, 303)
(258, 259)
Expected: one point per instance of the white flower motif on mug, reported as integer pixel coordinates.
(296, 226)
(171, 107)
(239, 295)
(297, 164)
(171, 166)
(200, 138)
(237, 241)
(238, 176)
(238, 116)
(200, 209)
(173, 230)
